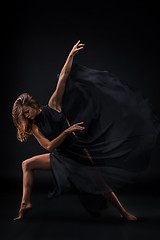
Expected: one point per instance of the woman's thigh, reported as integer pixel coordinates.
(41, 162)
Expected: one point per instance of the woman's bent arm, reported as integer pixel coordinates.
(51, 145)
(47, 144)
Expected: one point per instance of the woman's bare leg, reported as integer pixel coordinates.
(111, 197)
(28, 177)
(41, 162)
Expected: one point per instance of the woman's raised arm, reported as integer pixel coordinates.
(56, 98)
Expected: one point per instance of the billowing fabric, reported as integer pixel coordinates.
(121, 127)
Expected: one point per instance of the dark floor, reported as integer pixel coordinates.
(65, 218)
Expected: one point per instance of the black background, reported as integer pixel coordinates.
(122, 37)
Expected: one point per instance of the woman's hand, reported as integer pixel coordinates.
(78, 46)
(75, 127)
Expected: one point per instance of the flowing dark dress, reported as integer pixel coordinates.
(121, 127)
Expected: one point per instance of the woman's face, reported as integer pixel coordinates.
(30, 112)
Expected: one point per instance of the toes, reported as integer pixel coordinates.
(23, 210)
(129, 217)
(17, 218)
(135, 218)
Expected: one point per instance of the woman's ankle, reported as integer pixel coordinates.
(25, 203)
(123, 212)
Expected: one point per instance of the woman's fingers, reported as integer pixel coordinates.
(78, 46)
(81, 44)
(78, 127)
(79, 123)
(77, 43)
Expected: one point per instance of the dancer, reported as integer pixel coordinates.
(97, 154)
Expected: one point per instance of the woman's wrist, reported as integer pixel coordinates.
(66, 132)
(71, 55)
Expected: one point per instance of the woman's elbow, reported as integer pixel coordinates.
(49, 148)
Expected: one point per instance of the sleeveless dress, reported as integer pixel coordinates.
(121, 127)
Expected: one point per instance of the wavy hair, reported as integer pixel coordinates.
(23, 125)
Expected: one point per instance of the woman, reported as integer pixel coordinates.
(95, 159)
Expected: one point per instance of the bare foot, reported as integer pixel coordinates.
(25, 207)
(128, 216)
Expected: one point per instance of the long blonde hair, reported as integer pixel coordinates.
(23, 125)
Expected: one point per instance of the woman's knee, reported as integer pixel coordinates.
(37, 162)
(26, 165)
